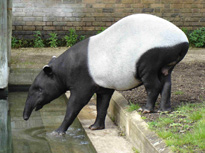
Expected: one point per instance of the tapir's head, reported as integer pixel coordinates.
(44, 89)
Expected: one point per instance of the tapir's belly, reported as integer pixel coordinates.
(114, 53)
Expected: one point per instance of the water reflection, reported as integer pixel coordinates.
(34, 135)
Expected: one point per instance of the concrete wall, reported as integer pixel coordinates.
(3, 45)
(5, 40)
(87, 16)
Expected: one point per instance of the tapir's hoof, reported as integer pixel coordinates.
(145, 111)
(93, 127)
(58, 133)
(140, 109)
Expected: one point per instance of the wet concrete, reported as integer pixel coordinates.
(108, 140)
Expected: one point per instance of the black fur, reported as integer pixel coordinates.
(149, 71)
(70, 72)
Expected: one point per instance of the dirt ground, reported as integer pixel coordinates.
(188, 78)
(188, 84)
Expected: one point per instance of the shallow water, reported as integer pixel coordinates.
(34, 135)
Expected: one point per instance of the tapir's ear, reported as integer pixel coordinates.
(52, 59)
(48, 70)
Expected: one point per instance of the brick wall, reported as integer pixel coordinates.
(87, 16)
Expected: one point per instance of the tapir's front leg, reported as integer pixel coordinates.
(76, 102)
(103, 100)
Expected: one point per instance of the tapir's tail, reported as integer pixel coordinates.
(184, 50)
(181, 51)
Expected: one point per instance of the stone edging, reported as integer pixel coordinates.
(135, 129)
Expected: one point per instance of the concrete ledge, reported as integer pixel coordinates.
(22, 76)
(136, 130)
(107, 140)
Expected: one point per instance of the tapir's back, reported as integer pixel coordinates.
(113, 54)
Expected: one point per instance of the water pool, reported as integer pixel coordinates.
(34, 135)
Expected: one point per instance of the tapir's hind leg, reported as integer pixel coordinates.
(154, 69)
(153, 88)
(103, 99)
(156, 85)
(165, 104)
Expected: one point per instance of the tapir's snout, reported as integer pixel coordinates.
(25, 117)
(27, 112)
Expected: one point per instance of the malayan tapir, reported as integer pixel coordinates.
(139, 49)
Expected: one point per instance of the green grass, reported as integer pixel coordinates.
(179, 92)
(135, 150)
(184, 129)
(143, 117)
(133, 107)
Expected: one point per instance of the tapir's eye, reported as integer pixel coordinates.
(40, 89)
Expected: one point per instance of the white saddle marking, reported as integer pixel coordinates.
(113, 54)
